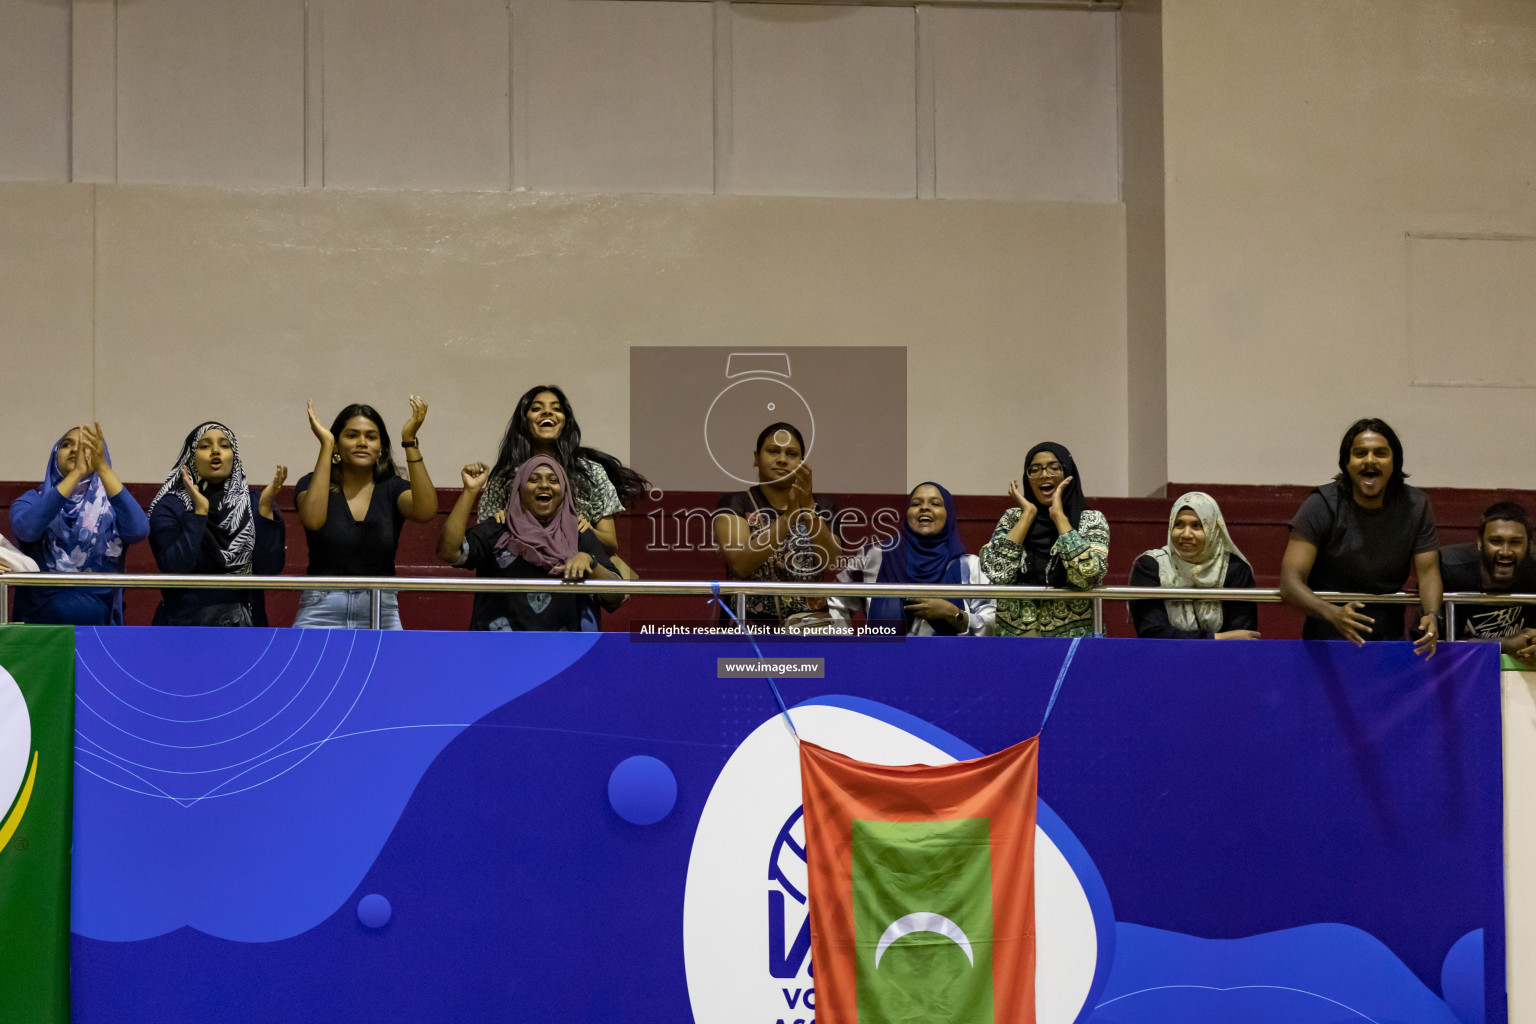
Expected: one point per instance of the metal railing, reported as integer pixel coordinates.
(377, 585)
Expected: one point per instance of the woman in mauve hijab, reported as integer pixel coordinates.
(538, 536)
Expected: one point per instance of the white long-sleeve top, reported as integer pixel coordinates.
(13, 559)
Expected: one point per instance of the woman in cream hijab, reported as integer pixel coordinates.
(1199, 553)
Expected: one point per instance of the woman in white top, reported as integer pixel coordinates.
(928, 550)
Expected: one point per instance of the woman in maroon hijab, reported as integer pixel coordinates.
(537, 537)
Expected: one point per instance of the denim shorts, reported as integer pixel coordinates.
(344, 609)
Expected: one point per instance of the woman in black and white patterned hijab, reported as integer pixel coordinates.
(201, 521)
(208, 473)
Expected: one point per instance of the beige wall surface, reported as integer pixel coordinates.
(562, 95)
(195, 303)
(1141, 146)
(1305, 139)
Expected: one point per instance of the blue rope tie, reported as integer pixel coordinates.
(1060, 676)
(714, 587)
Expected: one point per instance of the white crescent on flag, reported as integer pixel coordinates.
(923, 922)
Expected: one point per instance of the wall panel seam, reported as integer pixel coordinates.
(926, 103)
(724, 97)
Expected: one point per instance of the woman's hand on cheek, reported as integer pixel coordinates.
(1061, 488)
(199, 499)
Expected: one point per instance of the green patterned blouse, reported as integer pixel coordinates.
(1085, 553)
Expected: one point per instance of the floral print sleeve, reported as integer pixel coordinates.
(1001, 559)
(1084, 551)
(596, 498)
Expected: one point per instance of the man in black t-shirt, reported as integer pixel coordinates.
(1498, 562)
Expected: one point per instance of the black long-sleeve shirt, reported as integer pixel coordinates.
(182, 544)
(1151, 617)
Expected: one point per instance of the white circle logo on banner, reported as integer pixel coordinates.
(15, 741)
(746, 946)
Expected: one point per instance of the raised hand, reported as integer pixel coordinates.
(418, 417)
(1056, 506)
(269, 492)
(801, 488)
(93, 437)
(321, 433)
(474, 476)
(199, 499)
(1027, 509)
(1429, 633)
(1350, 620)
(86, 455)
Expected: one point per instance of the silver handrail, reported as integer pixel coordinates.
(701, 588)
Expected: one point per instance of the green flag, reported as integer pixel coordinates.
(922, 908)
(37, 724)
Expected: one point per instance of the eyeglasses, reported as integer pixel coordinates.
(1053, 468)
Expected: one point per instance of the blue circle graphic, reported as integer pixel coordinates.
(642, 790)
(374, 911)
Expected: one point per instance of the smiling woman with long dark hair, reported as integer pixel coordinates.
(354, 506)
(545, 424)
(1363, 533)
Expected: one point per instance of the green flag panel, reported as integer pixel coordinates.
(922, 918)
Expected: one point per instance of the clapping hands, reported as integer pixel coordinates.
(418, 417)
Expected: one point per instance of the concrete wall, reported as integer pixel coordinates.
(1306, 140)
(562, 95)
(1141, 147)
(153, 308)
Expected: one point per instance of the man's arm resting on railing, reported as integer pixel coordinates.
(1296, 565)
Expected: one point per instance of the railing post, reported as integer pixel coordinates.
(1450, 620)
(1098, 616)
(5, 602)
(375, 608)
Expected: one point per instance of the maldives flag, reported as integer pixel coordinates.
(922, 889)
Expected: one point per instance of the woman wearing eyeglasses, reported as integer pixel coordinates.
(1049, 539)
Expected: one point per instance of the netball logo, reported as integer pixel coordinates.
(18, 765)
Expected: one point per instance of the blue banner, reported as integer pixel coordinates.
(278, 825)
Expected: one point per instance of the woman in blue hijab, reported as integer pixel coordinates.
(927, 550)
(79, 519)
